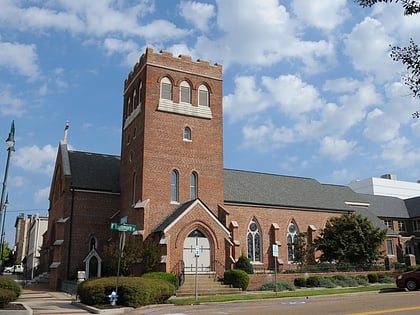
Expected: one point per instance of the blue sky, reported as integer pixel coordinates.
(309, 87)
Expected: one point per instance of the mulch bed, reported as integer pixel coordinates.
(13, 307)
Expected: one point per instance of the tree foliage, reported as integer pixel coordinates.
(410, 6)
(350, 238)
(303, 251)
(409, 55)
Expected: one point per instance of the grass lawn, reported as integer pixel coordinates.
(282, 294)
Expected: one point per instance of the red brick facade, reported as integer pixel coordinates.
(154, 145)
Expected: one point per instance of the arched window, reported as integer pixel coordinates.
(166, 89)
(254, 241)
(203, 95)
(133, 189)
(292, 239)
(187, 133)
(174, 186)
(130, 106)
(139, 94)
(135, 99)
(193, 185)
(185, 92)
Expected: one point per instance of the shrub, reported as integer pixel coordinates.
(373, 277)
(361, 280)
(281, 286)
(6, 296)
(132, 291)
(10, 284)
(244, 263)
(313, 281)
(327, 283)
(300, 282)
(237, 278)
(170, 277)
(382, 278)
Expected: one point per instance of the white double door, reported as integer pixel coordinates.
(196, 252)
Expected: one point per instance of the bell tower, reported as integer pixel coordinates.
(172, 137)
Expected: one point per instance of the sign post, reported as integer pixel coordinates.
(196, 255)
(121, 227)
(275, 255)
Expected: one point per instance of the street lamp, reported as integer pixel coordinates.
(6, 203)
(11, 148)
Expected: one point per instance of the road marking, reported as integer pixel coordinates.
(387, 311)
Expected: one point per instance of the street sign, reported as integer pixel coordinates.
(275, 250)
(123, 227)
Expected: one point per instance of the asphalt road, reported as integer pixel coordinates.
(372, 303)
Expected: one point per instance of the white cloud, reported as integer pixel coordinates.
(336, 149)
(42, 195)
(325, 15)
(197, 13)
(19, 58)
(293, 96)
(10, 104)
(36, 159)
(380, 127)
(368, 47)
(247, 99)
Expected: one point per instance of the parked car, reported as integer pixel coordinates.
(8, 269)
(409, 279)
(17, 269)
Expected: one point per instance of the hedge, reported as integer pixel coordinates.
(132, 291)
(9, 290)
(237, 278)
(170, 277)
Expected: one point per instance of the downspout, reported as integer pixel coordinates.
(70, 234)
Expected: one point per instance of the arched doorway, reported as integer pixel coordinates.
(196, 243)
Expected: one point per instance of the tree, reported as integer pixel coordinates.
(350, 238)
(409, 55)
(304, 251)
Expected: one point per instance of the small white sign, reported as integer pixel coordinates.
(197, 251)
(275, 250)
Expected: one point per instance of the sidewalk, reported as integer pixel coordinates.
(42, 301)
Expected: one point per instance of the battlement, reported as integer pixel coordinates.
(181, 63)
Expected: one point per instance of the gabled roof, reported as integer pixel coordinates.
(182, 210)
(387, 207)
(286, 191)
(93, 171)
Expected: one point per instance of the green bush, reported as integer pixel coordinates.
(373, 277)
(237, 278)
(281, 286)
(10, 284)
(244, 263)
(132, 291)
(382, 278)
(327, 282)
(313, 281)
(170, 277)
(361, 280)
(300, 282)
(6, 296)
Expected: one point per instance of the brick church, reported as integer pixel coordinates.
(171, 184)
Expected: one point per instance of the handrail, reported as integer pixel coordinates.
(179, 271)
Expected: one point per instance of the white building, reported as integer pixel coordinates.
(386, 185)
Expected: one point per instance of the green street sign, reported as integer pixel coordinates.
(123, 227)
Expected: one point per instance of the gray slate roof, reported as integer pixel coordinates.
(93, 171)
(413, 206)
(387, 207)
(286, 191)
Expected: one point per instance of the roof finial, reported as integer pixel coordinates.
(66, 131)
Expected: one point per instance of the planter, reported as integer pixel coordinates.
(16, 309)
